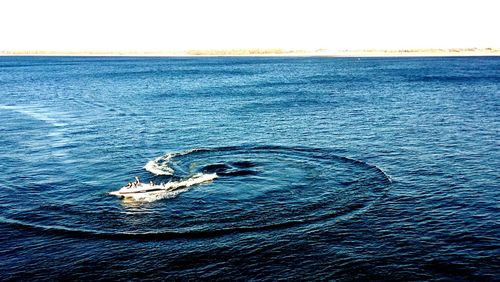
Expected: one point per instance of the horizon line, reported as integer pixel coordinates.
(489, 51)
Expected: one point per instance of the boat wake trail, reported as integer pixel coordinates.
(258, 189)
(161, 165)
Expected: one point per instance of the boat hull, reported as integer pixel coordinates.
(145, 190)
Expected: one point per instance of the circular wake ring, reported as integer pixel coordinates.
(260, 188)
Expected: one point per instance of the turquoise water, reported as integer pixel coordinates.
(329, 168)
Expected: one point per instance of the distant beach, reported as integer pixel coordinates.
(268, 52)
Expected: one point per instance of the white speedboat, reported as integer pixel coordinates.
(144, 190)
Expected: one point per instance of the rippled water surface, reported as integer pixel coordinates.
(328, 168)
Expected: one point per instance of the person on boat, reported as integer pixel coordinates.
(137, 181)
(129, 185)
(151, 183)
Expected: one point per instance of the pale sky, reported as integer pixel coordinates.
(149, 25)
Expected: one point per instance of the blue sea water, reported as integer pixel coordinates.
(329, 168)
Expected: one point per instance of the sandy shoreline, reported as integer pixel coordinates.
(267, 53)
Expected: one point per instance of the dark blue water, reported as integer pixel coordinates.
(329, 168)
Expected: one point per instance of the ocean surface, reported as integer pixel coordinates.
(328, 168)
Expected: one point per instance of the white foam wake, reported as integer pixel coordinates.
(161, 165)
(158, 169)
(36, 113)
